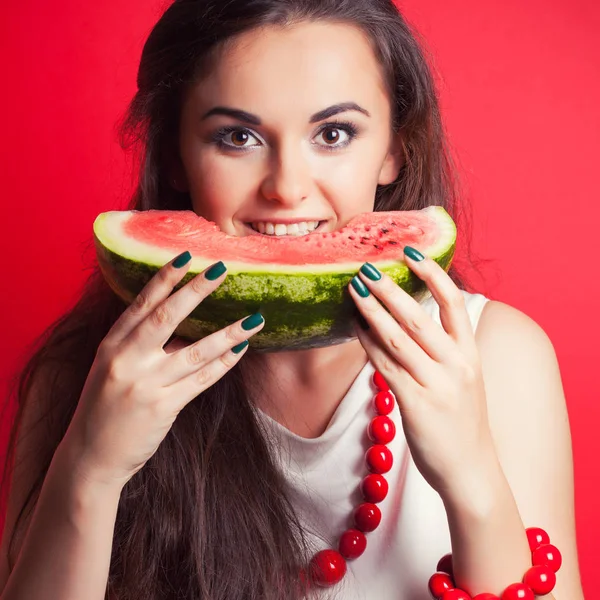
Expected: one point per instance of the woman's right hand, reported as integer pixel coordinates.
(137, 386)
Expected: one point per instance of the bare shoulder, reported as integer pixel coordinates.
(521, 372)
(529, 420)
(503, 322)
(522, 380)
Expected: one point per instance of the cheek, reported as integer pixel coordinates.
(351, 180)
(219, 184)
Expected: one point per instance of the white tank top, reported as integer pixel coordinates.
(324, 474)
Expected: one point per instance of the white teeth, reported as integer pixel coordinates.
(279, 229)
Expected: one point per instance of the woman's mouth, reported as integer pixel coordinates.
(285, 229)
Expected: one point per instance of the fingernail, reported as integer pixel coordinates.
(412, 253)
(360, 287)
(237, 349)
(215, 271)
(371, 272)
(252, 321)
(182, 259)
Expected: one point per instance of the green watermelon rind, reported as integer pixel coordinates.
(301, 309)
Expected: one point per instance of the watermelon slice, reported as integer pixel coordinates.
(298, 283)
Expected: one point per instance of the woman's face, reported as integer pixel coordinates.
(291, 125)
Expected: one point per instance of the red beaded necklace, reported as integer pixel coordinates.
(328, 567)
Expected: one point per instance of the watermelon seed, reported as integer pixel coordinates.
(384, 230)
(392, 243)
(351, 237)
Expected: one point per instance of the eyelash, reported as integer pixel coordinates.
(346, 126)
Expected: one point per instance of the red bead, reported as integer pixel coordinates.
(485, 596)
(547, 554)
(352, 544)
(380, 382)
(536, 537)
(541, 579)
(517, 591)
(374, 488)
(456, 594)
(367, 517)
(440, 583)
(382, 430)
(445, 564)
(327, 567)
(379, 459)
(384, 402)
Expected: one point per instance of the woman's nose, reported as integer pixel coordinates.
(288, 180)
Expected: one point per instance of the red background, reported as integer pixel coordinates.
(520, 93)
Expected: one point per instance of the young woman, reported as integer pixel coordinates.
(148, 467)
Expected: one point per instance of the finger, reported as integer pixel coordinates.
(152, 294)
(402, 383)
(453, 313)
(192, 358)
(187, 389)
(397, 343)
(411, 316)
(159, 325)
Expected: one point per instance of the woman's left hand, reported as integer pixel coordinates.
(433, 371)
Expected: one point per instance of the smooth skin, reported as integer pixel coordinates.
(485, 414)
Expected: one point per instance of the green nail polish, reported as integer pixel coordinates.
(182, 259)
(215, 271)
(237, 349)
(252, 321)
(371, 272)
(360, 287)
(412, 253)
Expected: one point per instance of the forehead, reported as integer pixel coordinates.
(304, 67)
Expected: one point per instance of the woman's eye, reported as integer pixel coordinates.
(235, 138)
(332, 136)
(337, 136)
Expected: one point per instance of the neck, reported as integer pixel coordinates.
(302, 389)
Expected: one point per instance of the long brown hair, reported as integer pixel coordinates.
(208, 516)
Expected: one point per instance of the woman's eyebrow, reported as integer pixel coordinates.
(246, 117)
